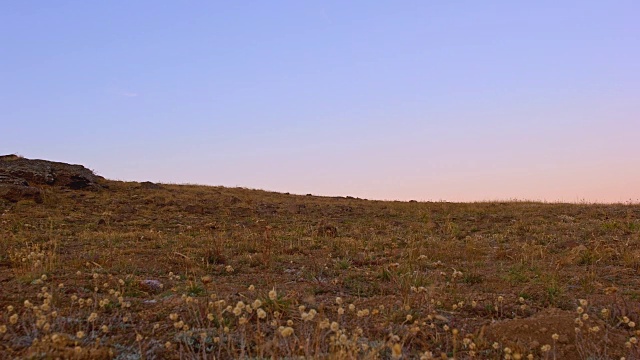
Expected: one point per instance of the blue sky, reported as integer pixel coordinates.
(424, 100)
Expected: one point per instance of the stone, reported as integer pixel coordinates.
(15, 193)
(150, 286)
(150, 185)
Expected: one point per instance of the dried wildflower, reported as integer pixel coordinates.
(286, 331)
(93, 317)
(545, 348)
(273, 295)
(555, 337)
(305, 316)
(210, 316)
(631, 324)
(495, 345)
(252, 288)
(13, 319)
(139, 337)
(3, 329)
(261, 314)
(173, 317)
(80, 334)
(104, 328)
(427, 355)
(339, 300)
(340, 310)
(335, 326)
(352, 307)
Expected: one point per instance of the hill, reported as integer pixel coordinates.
(94, 268)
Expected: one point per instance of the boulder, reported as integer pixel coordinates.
(43, 172)
(150, 185)
(15, 193)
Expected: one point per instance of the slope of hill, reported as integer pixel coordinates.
(142, 270)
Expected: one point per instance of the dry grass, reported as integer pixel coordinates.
(209, 272)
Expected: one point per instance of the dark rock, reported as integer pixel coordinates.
(12, 180)
(149, 185)
(15, 193)
(150, 286)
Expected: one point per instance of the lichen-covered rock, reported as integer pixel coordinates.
(15, 169)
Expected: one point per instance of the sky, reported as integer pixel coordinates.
(390, 100)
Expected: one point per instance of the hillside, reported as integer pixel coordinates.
(93, 268)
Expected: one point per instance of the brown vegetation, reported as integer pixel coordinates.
(176, 271)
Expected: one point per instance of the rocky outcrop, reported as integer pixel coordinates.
(15, 193)
(22, 178)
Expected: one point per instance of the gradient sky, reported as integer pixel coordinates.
(425, 100)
